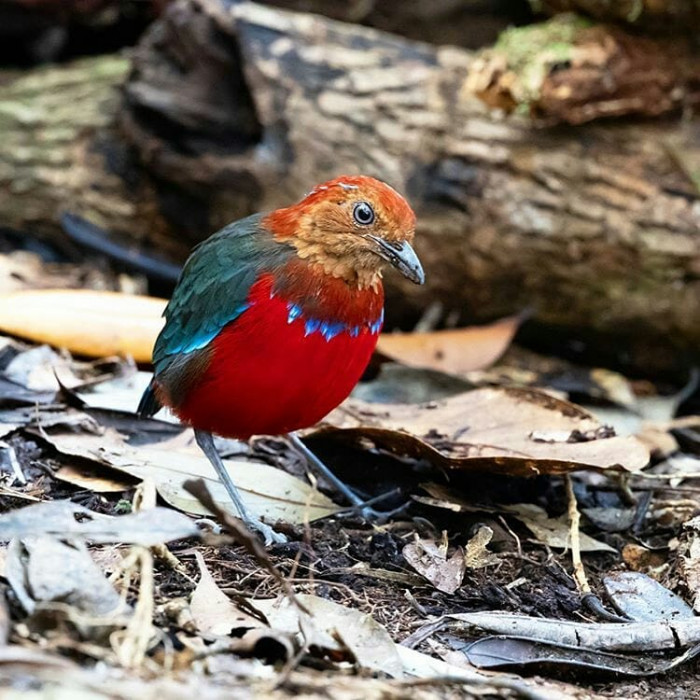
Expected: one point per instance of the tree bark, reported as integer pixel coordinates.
(566, 70)
(60, 152)
(232, 111)
(653, 15)
(467, 23)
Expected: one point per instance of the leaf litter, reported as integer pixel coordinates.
(341, 594)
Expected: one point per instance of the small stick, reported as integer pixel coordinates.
(588, 599)
(574, 521)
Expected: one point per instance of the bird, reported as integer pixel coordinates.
(274, 318)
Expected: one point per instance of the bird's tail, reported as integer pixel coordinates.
(149, 404)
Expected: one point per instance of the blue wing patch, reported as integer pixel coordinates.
(208, 334)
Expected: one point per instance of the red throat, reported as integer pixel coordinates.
(279, 367)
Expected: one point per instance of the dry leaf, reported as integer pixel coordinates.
(455, 351)
(268, 492)
(213, 611)
(397, 383)
(121, 393)
(553, 532)
(369, 642)
(37, 369)
(639, 558)
(215, 615)
(690, 560)
(58, 519)
(46, 570)
(476, 555)
(96, 324)
(515, 431)
(430, 560)
(603, 636)
(642, 599)
(103, 480)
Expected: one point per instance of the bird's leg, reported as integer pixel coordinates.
(358, 503)
(206, 442)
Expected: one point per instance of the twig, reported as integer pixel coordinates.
(243, 536)
(669, 477)
(588, 599)
(132, 643)
(414, 603)
(97, 239)
(574, 522)
(509, 530)
(144, 498)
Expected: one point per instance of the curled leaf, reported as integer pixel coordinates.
(514, 431)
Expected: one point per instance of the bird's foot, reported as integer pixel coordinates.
(359, 505)
(269, 535)
(381, 516)
(365, 509)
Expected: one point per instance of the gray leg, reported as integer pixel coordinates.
(206, 442)
(355, 500)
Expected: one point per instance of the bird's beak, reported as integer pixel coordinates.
(401, 255)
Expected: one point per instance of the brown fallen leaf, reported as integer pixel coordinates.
(215, 614)
(368, 641)
(46, 570)
(430, 560)
(268, 492)
(96, 324)
(476, 555)
(455, 351)
(553, 532)
(514, 431)
(212, 610)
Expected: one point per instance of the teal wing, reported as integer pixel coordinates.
(212, 292)
(213, 287)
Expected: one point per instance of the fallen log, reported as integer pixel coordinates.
(61, 151)
(653, 15)
(567, 70)
(234, 110)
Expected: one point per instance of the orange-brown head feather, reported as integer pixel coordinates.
(349, 227)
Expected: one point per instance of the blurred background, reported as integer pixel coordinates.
(551, 149)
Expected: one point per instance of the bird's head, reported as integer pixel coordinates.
(351, 227)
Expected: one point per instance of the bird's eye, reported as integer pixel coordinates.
(363, 213)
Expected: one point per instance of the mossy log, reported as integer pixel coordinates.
(228, 111)
(569, 70)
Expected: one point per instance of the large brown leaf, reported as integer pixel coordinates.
(455, 350)
(515, 431)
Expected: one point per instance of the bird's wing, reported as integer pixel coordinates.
(213, 287)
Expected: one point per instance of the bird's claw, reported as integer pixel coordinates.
(269, 535)
(382, 516)
(365, 509)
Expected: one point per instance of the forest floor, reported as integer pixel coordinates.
(349, 608)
